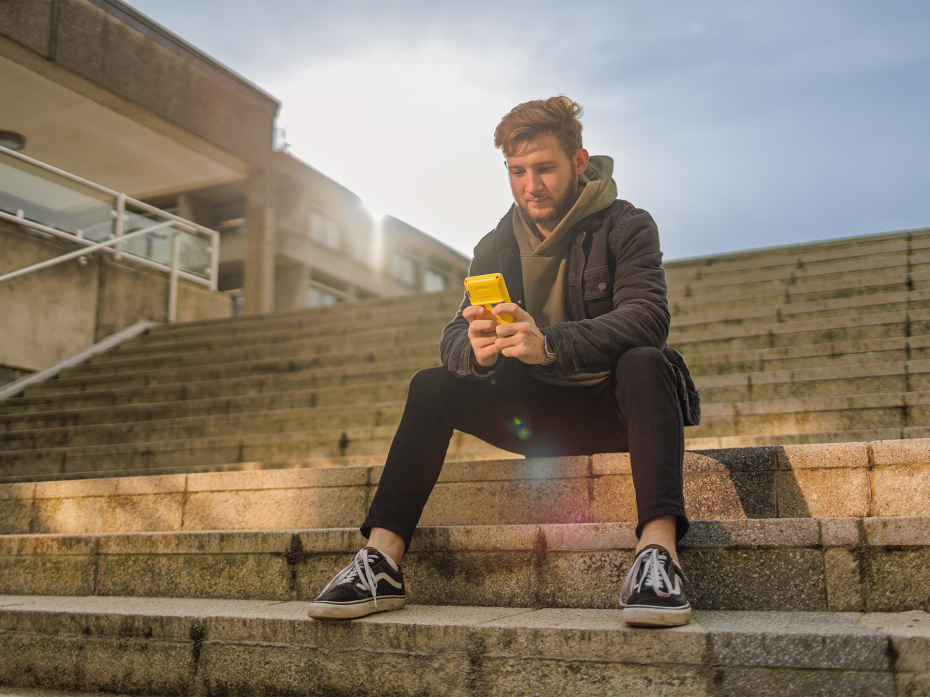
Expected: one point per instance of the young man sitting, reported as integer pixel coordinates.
(582, 369)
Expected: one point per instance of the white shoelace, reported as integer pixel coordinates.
(360, 568)
(653, 574)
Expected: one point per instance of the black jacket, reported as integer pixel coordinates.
(616, 295)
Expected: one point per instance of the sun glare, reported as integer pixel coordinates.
(413, 138)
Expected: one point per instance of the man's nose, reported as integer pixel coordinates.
(534, 183)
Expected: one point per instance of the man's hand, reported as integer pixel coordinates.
(521, 339)
(481, 334)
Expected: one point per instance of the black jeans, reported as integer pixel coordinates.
(636, 411)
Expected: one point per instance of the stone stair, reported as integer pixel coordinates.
(168, 510)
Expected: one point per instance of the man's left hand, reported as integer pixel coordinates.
(520, 339)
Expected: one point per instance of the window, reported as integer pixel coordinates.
(317, 297)
(325, 231)
(404, 270)
(434, 280)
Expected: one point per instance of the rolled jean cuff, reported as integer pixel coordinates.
(370, 523)
(681, 521)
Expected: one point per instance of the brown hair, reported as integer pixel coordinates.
(556, 116)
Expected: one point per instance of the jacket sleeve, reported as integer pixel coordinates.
(640, 300)
(454, 346)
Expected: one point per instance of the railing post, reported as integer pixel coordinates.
(173, 284)
(119, 225)
(214, 261)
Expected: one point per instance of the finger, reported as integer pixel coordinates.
(472, 312)
(507, 342)
(517, 312)
(511, 329)
(480, 327)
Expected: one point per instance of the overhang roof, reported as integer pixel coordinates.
(79, 135)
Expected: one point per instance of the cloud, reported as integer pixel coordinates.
(737, 124)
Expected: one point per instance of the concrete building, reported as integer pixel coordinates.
(96, 89)
(329, 248)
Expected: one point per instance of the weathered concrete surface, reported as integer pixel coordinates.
(833, 362)
(55, 313)
(250, 647)
(778, 564)
(809, 481)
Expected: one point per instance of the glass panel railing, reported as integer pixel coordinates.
(31, 191)
(67, 208)
(194, 255)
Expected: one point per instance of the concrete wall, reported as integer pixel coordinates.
(112, 46)
(50, 314)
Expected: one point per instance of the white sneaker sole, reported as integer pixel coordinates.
(656, 616)
(332, 611)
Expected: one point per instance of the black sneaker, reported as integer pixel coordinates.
(371, 583)
(657, 592)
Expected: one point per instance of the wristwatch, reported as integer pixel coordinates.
(551, 358)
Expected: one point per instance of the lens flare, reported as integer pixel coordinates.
(521, 429)
(514, 417)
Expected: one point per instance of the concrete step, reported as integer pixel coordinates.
(204, 414)
(258, 407)
(337, 332)
(332, 365)
(223, 450)
(810, 356)
(237, 647)
(827, 251)
(844, 380)
(349, 378)
(776, 292)
(792, 273)
(726, 338)
(377, 342)
(93, 376)
(817, 564)
(366, 429)
(717, 339)
(865, 289)
(198, 427)
(6, 691)
(260, 413)
(168, 385)
(819, 414)
(799, 274)
(443, 301)
(795, 481)
(695, 317)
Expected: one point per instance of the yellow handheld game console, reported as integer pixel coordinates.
(489, 290)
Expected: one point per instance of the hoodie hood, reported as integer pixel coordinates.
(544, 260)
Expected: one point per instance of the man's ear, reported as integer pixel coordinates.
(581, 160)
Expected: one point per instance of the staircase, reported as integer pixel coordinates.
(168, 510)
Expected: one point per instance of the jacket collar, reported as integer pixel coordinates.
(506, 249)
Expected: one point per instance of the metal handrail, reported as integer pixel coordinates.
(87, 243)
(120, 201)
(54, 261)
(19, 386)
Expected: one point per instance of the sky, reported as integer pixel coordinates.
(737, 124)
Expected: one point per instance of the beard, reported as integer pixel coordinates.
(559, 210)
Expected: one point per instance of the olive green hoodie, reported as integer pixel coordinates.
(544, 259)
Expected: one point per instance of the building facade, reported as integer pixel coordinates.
(97, 89)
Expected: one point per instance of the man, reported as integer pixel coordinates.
(582, 369)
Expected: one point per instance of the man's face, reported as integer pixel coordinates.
(544, 180)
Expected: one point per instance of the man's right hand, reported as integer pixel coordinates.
(482, 333)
